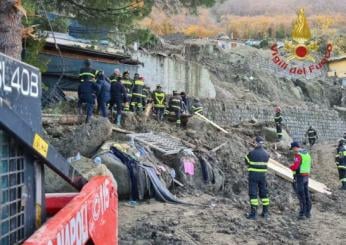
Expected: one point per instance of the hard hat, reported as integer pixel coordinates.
(295, 144)
(278, 109)
(117, 71)
(259, 140)
(87, 62)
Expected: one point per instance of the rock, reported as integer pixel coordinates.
(297, 92)
(85, 166)
(191, 133)
(119, 171)
(253, 120)
(55, 131)
(195, 124)
(86, 139)
(271, 136)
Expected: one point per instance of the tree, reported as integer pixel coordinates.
(193, 4)
(115, 13)
(270, 32)
(11, 13)
(119, 14)
(281, 33)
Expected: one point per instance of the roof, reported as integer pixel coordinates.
(223, 38)
(78, 46)
(333, 59)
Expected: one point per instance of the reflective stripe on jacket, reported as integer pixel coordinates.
(257, 160)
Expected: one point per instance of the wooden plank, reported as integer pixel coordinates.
(147, 111)
(286, 173)
(120, 130)
(211, 122)
(219, 147)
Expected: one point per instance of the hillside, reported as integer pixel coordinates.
(278, 7)
(246, 19)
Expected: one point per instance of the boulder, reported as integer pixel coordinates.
(271, 136)
(85, 166)
(86, 138)
(195, 124)
(119, 171)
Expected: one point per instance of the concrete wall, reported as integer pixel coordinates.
(174, 74)
(338, 67)
(328, 123)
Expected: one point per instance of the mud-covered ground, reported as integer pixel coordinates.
(219, 218)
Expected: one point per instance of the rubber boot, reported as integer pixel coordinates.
(265, 212)
(253, 214)
(118, 120)
(301, 215)
(343, 185)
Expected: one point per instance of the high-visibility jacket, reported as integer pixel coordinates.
(159, 99)
(305, 166)
(128, 84)
(342, 157)
(257, 160)
(302, 163)
(137, 89)
(87, 74)
(114, 78)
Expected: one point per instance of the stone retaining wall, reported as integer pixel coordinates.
(327, 122)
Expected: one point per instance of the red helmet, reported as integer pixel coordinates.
(277, 109)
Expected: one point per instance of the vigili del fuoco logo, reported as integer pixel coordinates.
(301, 55)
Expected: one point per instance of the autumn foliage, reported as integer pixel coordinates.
(241, 27)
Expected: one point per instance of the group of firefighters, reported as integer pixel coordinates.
(122, 93)
(257, 161)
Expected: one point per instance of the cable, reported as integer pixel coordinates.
(57, 48)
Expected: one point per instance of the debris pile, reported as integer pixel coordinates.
(216, 185)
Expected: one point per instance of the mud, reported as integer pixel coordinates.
(220, 218)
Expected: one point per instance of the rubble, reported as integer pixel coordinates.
(86, 138)
(219, 214)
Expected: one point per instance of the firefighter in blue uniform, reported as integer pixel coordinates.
(340, 160)
(257, 161)
(175, 105)
(88, 89)
(278, 122)
(312, 136)
(104, 95)
(118, 98)
(128, 84)
(114, 77)
(159, 98)
(137, 100)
